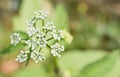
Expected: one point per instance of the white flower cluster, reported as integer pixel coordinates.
(39, 38)
(49, 26)
(15, 38)
(56, 49)
(23, 56)
(41, 14)
(37, 56)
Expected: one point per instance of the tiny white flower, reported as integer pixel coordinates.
(39, 34)
(37, 56)
(22, 56)
(49, 26)
(31, 30)
(56, 49)
(31, 22)
(42, 42)
(32, 43)
(41, 14)
(15, 38)
(54, 53)
(61, 48)
(57, 34)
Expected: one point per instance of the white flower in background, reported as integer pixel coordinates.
(37, 56)
(57, 34)
(41, 14)
(42, 42)
(15, 38)
(49, 26)
(56, 49)
(22, 56)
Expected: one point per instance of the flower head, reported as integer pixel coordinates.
(56, 49)
(57, 34)
(31, 22)
(23, 56)
(49, 26)
(40, 34)
(42, 42)
(37, 56)
(31, 44)
(15, 38)
(41, 14)
(32, 30)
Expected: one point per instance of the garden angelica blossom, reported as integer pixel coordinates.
(39, 37)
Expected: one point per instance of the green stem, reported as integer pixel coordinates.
(50, 39)
(40, 49)
(27, 62)
(43, 23)
(56, 68)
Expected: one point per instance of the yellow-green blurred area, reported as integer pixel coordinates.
(93, 24)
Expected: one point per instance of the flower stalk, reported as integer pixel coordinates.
(57, 70)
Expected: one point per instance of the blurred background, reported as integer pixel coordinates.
(93, 24)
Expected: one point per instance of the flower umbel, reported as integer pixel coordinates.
(39, 37)
(37, 56)
(56, 49)
(42, 42)
(15, 38)
(57, 34)
(49, 26)
(23, 56)
(41, 14)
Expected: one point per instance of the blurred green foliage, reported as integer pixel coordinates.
(76, 63)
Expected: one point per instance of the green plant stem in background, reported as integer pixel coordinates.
(57, 70)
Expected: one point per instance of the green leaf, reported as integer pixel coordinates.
(12, 48)
(61, 17)
(115, 72)
(26, 12)
(33, 71)
(75, 60)
(1, 75)
(101, 67)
